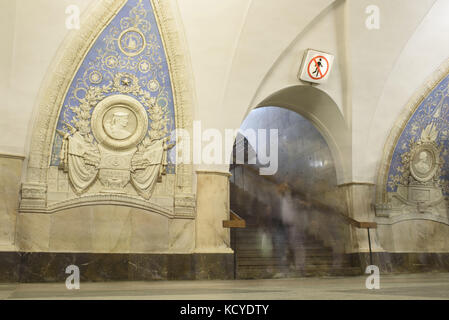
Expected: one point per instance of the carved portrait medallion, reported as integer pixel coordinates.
(424, 162)
(119, 122)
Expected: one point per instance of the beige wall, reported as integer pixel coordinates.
(237, 65)
(241, 52)
(34, 31)
(10, 175)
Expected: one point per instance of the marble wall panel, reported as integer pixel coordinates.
(31, 267)
(104, 229)
(420, 236)
(212, 210)
(112, 229)
(10, 177)
(149, 232)
(33, 232)
(181, 235)
(71, 230)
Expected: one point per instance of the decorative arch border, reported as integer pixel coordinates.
(62, 71)
(395, 133)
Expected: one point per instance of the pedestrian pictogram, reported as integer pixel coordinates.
(316, 66)
(320, 67)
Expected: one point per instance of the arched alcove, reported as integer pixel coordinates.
(412, 186)
(125, 48)
(294, 216)
(417, 101)
(92, 187)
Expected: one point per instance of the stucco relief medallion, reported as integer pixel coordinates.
(153, 85)
(95, 77)
(144, 66)
(111, 62)
(132, 42)
(420, 191)
(424, 162)
(119, 122)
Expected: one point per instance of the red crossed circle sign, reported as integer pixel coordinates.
(314, 65)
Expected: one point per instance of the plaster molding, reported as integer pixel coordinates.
(176, 51)
(110, 199)
(214, 250)
(412, 105)
(350, 184)
(12, 156)
(412, 217)
(216, 172)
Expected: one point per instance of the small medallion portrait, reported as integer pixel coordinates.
(119, 123)
(424, 163)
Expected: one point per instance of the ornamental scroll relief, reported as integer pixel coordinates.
(103, 128)
(116, 140)
(113, 143)
(420, 191)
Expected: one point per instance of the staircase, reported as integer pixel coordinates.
(259, 254)
(263, 250)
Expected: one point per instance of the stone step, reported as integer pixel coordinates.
(258, 240)
(322, 256)
(307, 268)
(269, 273)
(255, 262)
(259, 246)
(306, 259)
(307, 264)
(306, 252)
(286, 251)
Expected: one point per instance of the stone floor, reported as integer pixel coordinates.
(411, 286)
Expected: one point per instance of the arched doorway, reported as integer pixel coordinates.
(295, 224)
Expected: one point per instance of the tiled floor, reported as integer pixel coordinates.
(412, 286)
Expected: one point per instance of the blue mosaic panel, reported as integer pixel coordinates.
(130, 45)
(434, 109)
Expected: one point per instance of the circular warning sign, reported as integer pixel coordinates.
(318, 67)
